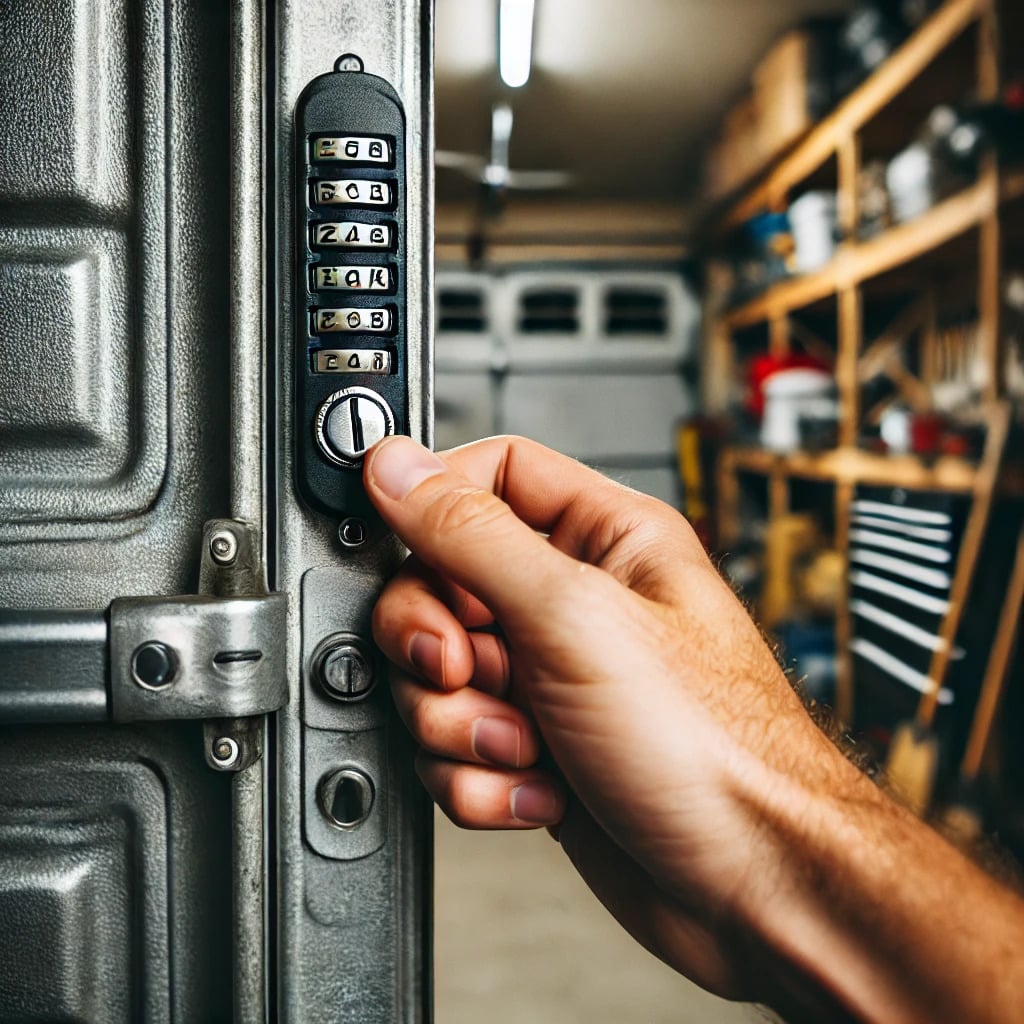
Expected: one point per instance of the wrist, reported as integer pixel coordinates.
(808, 900)
(857, 910)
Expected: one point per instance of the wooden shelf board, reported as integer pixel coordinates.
(785, 296)
(851, 465)
(857, 262)
(946, 25)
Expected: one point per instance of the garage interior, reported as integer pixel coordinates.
(765, 262)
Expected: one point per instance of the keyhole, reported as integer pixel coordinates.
(346, 798)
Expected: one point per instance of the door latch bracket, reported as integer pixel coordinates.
(216, 654)
(196, 657)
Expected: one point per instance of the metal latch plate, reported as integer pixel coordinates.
(225, 656)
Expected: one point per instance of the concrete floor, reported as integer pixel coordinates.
(520, 940)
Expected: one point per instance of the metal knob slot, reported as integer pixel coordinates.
(350, 422)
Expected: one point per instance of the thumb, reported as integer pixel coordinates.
(464, 531)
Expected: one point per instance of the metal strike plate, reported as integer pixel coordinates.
(227, 654)
(325, 754)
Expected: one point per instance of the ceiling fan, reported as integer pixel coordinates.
(495, 174)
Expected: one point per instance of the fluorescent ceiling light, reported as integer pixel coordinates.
(515, 41)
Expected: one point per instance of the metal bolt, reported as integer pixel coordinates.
(346, 798)
(353, 532)
(154, 665)
(224, 751)
(348, 62)
(344, 668)
(224, 547)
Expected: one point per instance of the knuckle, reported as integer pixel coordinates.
(422, 718)
(460, 803)
(403, 694)
(465, 509)
(384, 619)
(440, 782)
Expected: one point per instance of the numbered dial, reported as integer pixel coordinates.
(350, 234)
(353, 192)
(352, 321)
(354, 279)
(377, 362)
(353, 149)
(350, 422)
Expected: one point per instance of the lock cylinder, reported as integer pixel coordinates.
(344, 667)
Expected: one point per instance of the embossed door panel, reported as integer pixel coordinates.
(114, 248)
(115, 841)
(108, 860)
(83, 425)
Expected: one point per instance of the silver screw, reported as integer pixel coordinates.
(345, 670)
(224, 547)
(224, 751)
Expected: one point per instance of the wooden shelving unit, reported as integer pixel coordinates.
(972, 217)
(845, 465)
(857, 263)
(834, 133)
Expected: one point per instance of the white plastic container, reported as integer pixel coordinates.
(790, 394)
(910, 179)
(812, 219)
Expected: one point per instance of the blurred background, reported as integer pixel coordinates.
(765, 262)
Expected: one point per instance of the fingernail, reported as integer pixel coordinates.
(496, 740)
(536, 803)
(426, 652)
(400, 465)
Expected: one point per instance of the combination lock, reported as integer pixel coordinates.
(351, 368)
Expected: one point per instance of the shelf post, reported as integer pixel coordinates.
(850, 312)
(727, 488)
(776, 592)
(848, 157)
(717, 363)
(988, 53)
(990, 241)
(850, 329)
(778, 336)
(990, 299)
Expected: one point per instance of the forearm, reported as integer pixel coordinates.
(710, 815)
(852, 898)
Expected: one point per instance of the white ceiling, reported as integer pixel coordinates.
(624, 93)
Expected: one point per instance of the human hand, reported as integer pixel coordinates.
(621, 652)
